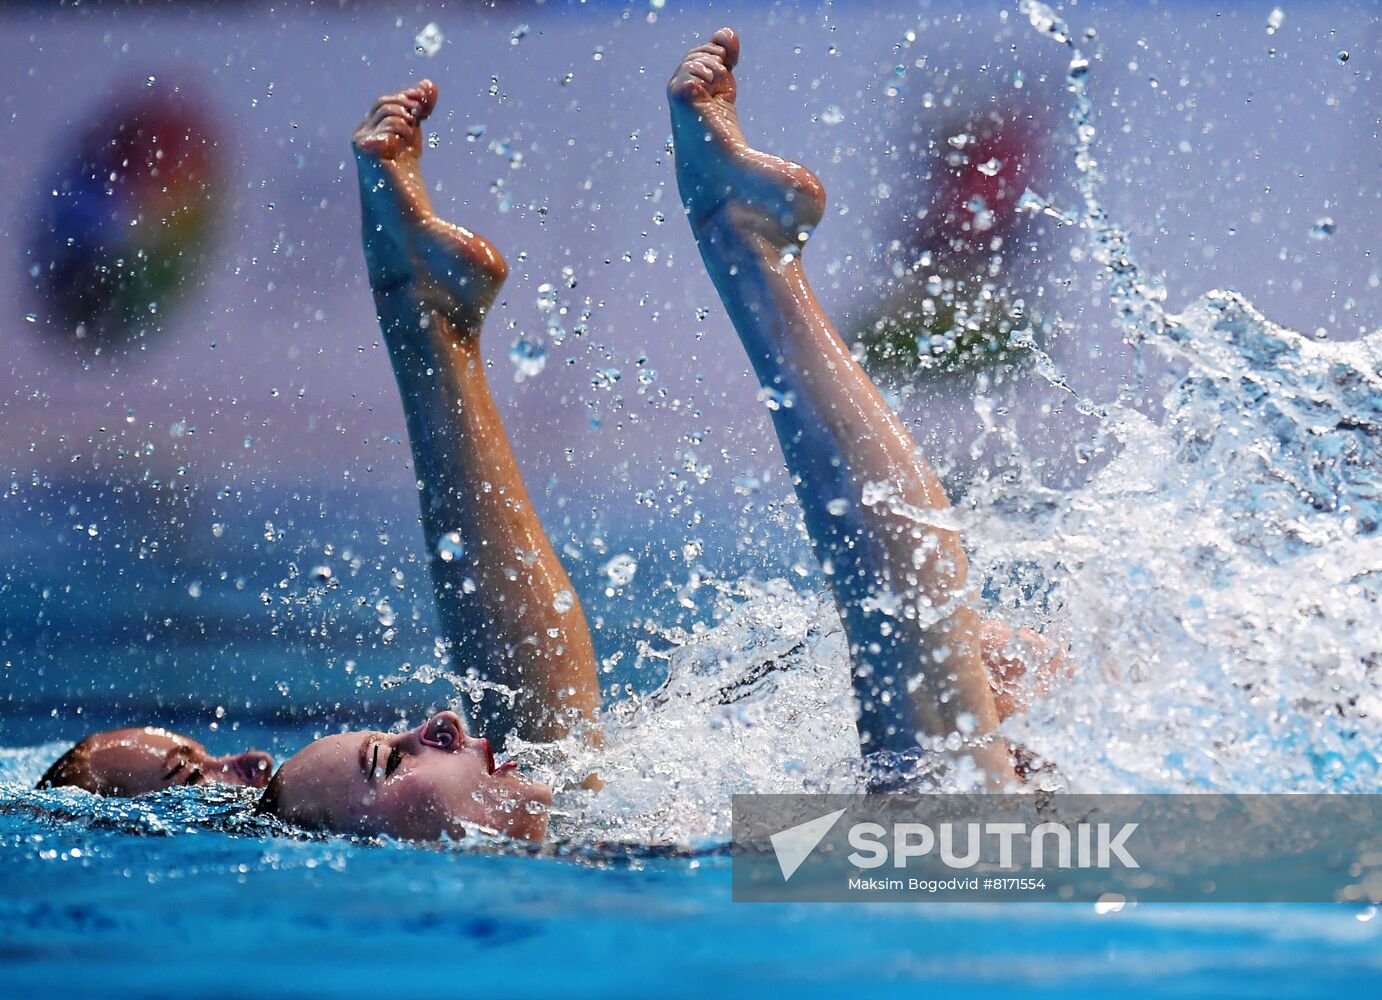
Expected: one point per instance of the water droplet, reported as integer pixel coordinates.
(604, 378)
(384, 612)
(774, 399)
(518, 34)
(529, 357)
(564, 601)
(31, 317)
(1323, 228)
(838, 507)
(1275, 20)
(450, 547)
(194, 589)
(321, 573)
(429, 40)
(990, 168)
(621, 569)
(832, 115)
(1342, 56)
(1044, 19)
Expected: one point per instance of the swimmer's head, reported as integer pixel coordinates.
(134, 761)
(429, 782)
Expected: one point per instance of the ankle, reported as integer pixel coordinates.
(743, 236)
(405, 315)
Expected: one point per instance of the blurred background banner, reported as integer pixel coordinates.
(208, 502)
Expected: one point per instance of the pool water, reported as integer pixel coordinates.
(1235, 652)
(202, 911)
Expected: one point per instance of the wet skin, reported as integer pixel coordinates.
(433, 283)
(502, 594)
(919, 673)
(719, 174)
(126, 762)
(427, 783)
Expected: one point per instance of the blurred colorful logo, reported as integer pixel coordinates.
(959, 296)
(128, 220)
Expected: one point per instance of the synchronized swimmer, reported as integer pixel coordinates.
(927, 679)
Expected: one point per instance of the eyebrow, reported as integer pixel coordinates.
(364, 754)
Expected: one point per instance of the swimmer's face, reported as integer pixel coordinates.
(429, 782)
(134, 761)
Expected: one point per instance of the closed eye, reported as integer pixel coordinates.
(395, 758)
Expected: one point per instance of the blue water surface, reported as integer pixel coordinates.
(97, 908)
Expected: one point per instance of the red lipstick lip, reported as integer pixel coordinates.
(508, 765)
(489, 753)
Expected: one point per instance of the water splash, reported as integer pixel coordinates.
(1218, 582)
(428, 41)
(761, 702)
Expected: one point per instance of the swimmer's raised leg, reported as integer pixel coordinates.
(506, 605)
(876, 513)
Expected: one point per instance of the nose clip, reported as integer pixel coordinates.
(444, 731)
(254, 767)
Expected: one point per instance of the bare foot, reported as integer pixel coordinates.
(408, 250)
(717, 170)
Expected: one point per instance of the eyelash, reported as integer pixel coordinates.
(194, 776)
(391, 763)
